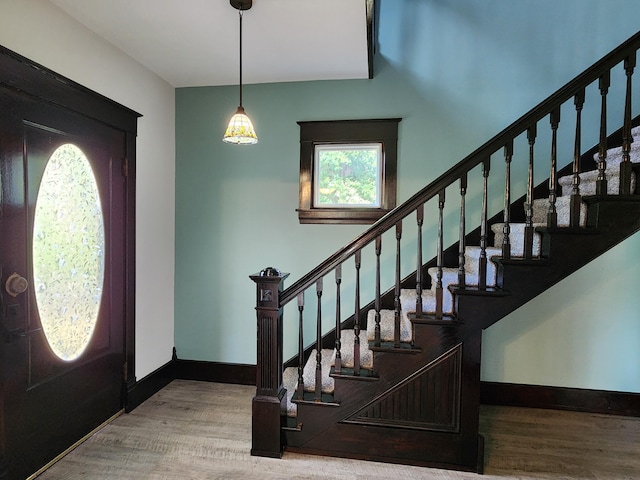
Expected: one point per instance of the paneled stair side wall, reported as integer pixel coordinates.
(398, 378)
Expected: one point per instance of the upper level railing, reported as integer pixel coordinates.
(272, 298)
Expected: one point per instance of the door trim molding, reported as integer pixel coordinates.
(30, 78)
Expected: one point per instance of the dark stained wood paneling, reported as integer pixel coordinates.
(427, 400)
(30, 78)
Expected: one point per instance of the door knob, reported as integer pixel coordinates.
(16, 284)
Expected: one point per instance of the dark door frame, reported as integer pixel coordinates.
(22, 75)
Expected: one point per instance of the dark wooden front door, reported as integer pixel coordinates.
(63, 260)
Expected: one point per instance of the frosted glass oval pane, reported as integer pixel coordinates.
(68, 252)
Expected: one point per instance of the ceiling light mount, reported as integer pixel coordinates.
(241, 4)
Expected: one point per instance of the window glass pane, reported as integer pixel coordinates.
(68, 252)
(348, 175)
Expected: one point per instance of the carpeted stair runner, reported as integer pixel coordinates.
(450, 276)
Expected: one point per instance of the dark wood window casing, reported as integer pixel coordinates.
(315, 133)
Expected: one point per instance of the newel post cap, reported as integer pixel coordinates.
(269, 275)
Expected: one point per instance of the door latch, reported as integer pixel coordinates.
(16, 284)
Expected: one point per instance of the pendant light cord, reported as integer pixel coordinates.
(240, 13)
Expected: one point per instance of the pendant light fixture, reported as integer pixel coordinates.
(240, 130)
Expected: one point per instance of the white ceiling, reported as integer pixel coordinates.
(195, 42)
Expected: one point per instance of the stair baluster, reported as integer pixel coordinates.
(419, 221)
(300, 388)
(356, 326)
(337, 366)
(377, 339)
(396, 299)
(318, 385)
(439, 262)
(506, 228)
(601, 183)
(625, 166)
(528, 228)
(463, 227)
(482, 263)
(575, 200)
(552, 214)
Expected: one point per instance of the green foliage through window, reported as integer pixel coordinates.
(68, 252)
(348, 175)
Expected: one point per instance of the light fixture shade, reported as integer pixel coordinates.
(240, 130)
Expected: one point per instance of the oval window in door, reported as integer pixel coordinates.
(68, 252)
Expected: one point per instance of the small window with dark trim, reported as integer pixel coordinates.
(347, 170)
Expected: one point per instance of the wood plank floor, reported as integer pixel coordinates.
(197, 430)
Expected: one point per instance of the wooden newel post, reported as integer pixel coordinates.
(266, 440)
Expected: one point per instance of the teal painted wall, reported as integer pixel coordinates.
(457, 72)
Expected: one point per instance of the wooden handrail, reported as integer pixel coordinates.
(484, 152)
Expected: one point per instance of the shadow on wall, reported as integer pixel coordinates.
(479, 55)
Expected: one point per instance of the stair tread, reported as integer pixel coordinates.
(611, 198)
(523, 262)
(488, 291)
(387, 322)
(309, 371)
(347, 338)
(563, 211)
(348, 373)
(432, 319)
(390, 347)
(589, 177)
(516, 237)
(569, 230)
(614, 154)
(453, 271)
(408, 298)
(309, 398)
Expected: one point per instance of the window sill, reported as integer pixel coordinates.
(353, 216)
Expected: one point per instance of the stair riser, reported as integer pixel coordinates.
(516, 239)
(563, 211)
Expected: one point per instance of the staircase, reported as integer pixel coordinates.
(398, 379)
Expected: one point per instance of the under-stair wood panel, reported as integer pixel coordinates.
(427, 400)
(398, 380)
